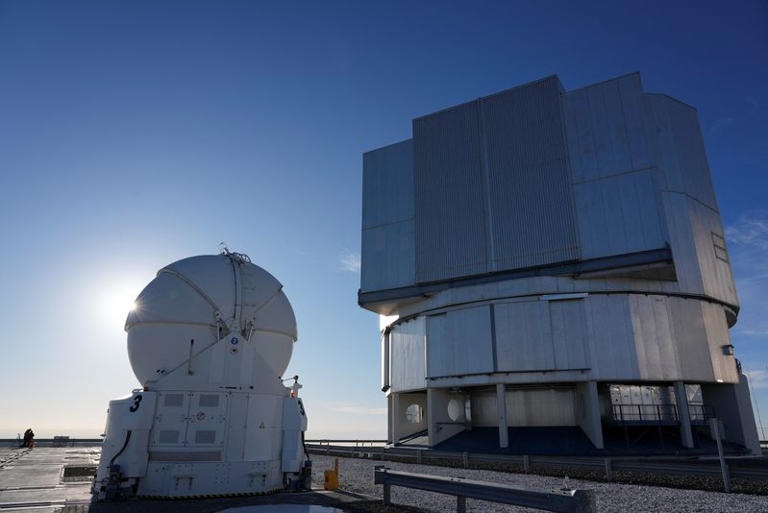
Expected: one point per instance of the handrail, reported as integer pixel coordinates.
(564, 500)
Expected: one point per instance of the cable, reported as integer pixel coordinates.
(127, 439)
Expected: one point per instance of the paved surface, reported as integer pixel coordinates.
(32, 481)
(33, 478)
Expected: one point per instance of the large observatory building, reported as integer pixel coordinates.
(543, 258)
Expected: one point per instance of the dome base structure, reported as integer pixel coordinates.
(209, 340)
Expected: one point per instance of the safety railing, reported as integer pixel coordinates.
(563, 501)
(645, 414)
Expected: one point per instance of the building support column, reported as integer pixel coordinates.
(393, 411)
(589, 416)
(501, 408)
(681, 398)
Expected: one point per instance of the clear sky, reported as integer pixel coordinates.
(134, 134)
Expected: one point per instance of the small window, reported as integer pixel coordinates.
(414, 414)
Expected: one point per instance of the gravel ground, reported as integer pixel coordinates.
(356, 476)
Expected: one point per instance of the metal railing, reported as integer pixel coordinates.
(352, 442)
(562, 501)
(645, 414)
(605, 466)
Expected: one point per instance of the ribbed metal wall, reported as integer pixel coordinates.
(408, 354)
(680, 149)
(459, 342)
(531, 202)
(451, 234)
(388, 248)
(615, 180)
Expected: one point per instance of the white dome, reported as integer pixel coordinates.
(206, 299)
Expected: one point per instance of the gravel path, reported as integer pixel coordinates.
(356, 475)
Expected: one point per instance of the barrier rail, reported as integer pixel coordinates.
(561, 501)
(755, 470)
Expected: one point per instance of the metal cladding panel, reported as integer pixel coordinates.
(459, 343)
(531, 210)
(524, 337)
(450, 226)
(679, 149)
(388, 185)
(569, 334)
(690, 335)
(388, 248)
(612, 339)
(654, 339)
(723, 365)
(682, 242)
(407, 354)
(713, 258)
(541, 335)
(699, 249)
(387, 257)
(606, 129)
(619, 215)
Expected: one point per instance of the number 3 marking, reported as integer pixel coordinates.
(136, 402)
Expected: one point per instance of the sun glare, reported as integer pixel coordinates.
(117, 302)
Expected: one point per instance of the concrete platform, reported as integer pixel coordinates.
(34, 478)
(36, 481)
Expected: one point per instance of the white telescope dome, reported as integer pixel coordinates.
(199, 302)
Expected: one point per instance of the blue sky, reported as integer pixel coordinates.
(133, 134)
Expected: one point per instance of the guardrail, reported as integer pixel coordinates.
(754, 470)
(350, 442)
(561, 501)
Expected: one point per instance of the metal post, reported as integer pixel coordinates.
(501, 408)
(608, 469)
(526, 464)
(387, 494)
(461, 504)
(683, 414)
(465, 459)
(715, 425)
(418, 456)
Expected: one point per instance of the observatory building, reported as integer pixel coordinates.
(550, 258)
(209, 340)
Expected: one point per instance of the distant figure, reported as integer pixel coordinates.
(29, 438)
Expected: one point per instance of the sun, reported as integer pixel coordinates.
(117, 301)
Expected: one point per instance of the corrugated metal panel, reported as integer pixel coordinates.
(611, 337)
(388, 184)
(407, 353)
(690, 333)
(680, 149)
(605, 128)
(450, 218)
(695, 235)
(656, 349)
(569, 334)
(713, 258)
(619, 215)
(387, 257)
(530, 197)
(459, 343)
(723, 365)
(523, 337)
(388, 247)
